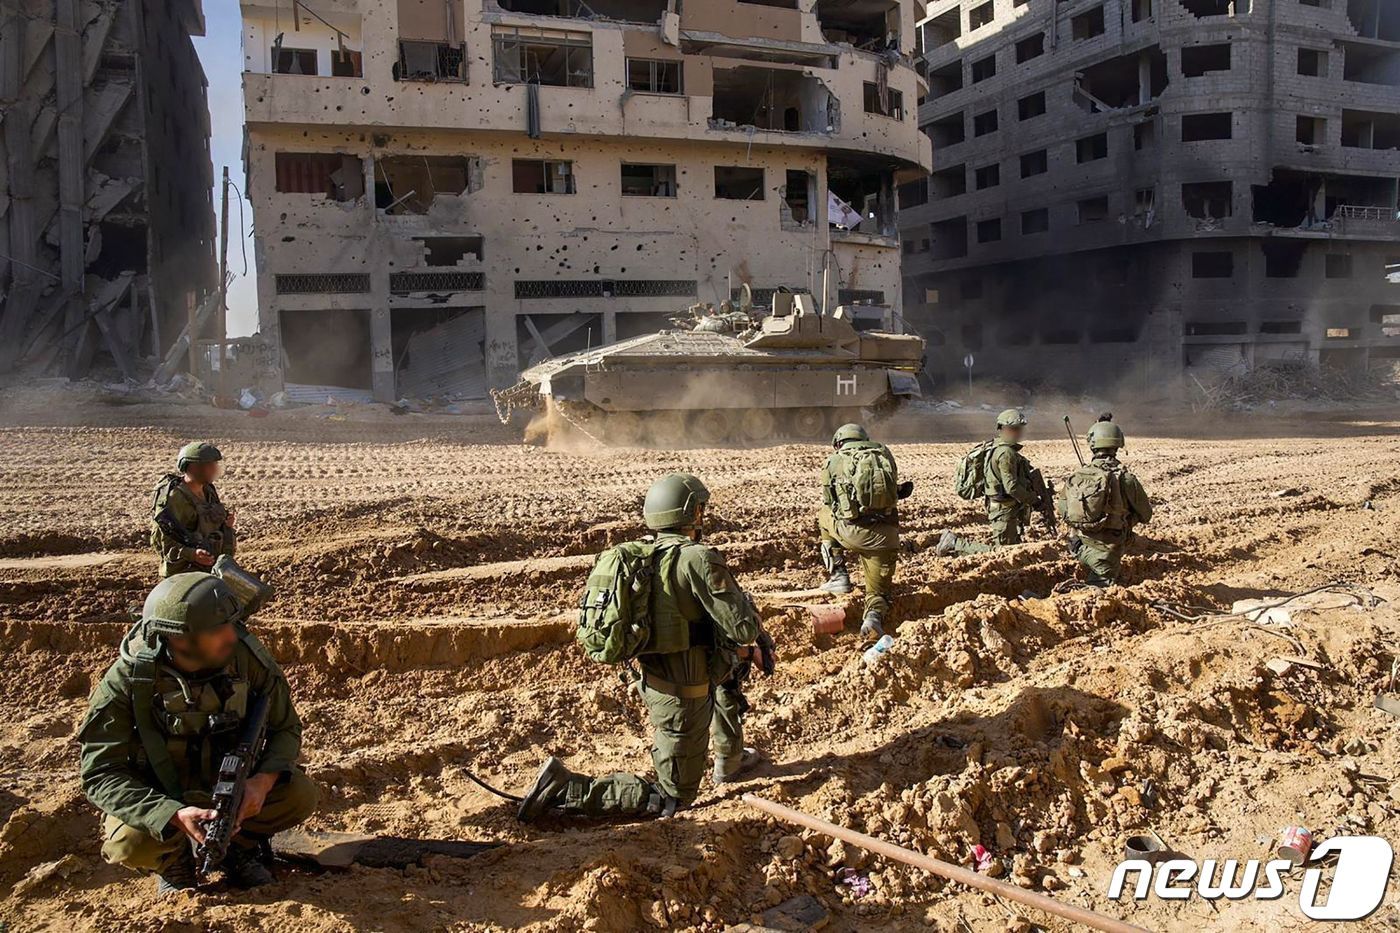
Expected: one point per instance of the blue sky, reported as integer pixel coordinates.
(221, 53)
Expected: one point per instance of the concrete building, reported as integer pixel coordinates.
(1127, 188)
(106, 231)
(445, 191)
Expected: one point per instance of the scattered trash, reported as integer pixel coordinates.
(1294, 845)
(858, 881)
(1388, 704)
(1368, 506)
(247, 399)
(878, 650)
(1148, 848)
(827, 620)
(1288, 493)
(982, 859)
(1279, 666)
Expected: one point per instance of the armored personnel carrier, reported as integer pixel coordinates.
(794, 374)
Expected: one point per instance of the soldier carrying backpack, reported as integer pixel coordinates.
(997, 473)
(190, 527)
(671, 604)
(860, 497)
(1102, 502)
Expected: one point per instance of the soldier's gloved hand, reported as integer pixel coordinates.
(905, 489)
(766, 653)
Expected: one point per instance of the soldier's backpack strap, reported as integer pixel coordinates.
(143, 691)
(258, 649)
(164, 486)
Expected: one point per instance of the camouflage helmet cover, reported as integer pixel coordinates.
(849, 432)
(197, 452)
(674, 501)
(189, 603)
(1105, 434)
(1011, 418)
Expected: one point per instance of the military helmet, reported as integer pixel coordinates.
(1105, 434)
(197, 452)
(849, 432)
(1011, 418)
(189, 603)
(674, 502)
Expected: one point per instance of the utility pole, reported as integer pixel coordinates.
(220, 382)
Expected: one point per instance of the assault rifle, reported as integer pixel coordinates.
(230, 786)
(166, 520)
(1045, 504)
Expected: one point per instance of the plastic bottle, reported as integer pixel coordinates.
(875, 652)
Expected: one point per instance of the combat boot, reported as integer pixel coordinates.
(549, 784)
(180, 876)
(947, 545)
(729, 772)
(834, 560)
(245, 869)
(873, 625)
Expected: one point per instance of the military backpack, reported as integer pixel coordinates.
(865, 481)
(1093, 499)
(617, 613)
(970, 480)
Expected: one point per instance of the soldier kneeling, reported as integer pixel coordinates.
(159, 723)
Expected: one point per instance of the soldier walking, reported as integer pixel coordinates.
(704, 635)
(190, 527)
(1102, 501)
(1011, 488)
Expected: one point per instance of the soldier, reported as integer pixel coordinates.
(690, 694)
(190, 527)
(1103, 522)
(1014, 489)
(859, 513)
(159, 722)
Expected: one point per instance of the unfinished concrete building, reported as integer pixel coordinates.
(1133, 187)
(106, 231)
(446, 192)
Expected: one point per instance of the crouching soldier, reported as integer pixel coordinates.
(1102, 502)
(190, 528)
(159, 723)
(860, 513)
(672, 604)
(998, 473)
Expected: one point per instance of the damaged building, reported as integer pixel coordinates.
(446, 192)
(106, 230)
(1145, 187)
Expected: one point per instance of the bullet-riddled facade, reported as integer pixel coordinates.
(1150, 187)
(445, 192)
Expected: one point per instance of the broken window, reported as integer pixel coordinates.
(337, 176)
(988, 176)
(984, 68)
(1208, 199)
(346, 63)
(1371, 64)
(450, 250)
(1091, 148)
(913, 193)
(1197, 60)
(864, 192)
(1144, 203)
(1286, 201)
(1212, 264)
(949, 238)
(424, 60)
(1035, 221)
(775, 99)
(797, 196)
(1312, 62)
(980, 15)
(654, 76)
(286, 61)
(1031, 106)
(949, 182)
(989, 231)
(1142, 9)
(1035, 163)
(1144, 135)
(1338, 265)
(1198, 127)
(945, 80)
(1283, 259)
(948, 131)
(1030, 47)
(648, 181)
(739, 182)
(871, 25)
(885, 101)
(542, 176)
(407, 184)
(1122, 81)
(1088, 24)
(1311, 130)
(1093, 210)
(1201, 8)
(1363, 129)
(942, 29)
(1375, 19)
(984, 123)
(540, 56)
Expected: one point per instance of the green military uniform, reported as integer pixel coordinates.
(688, 694)
(1011, 498)
(202, 520)
(153, 738)
(1101, 551)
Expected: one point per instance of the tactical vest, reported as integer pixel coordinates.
(671, 630)
(210, 512)
(185, 726)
